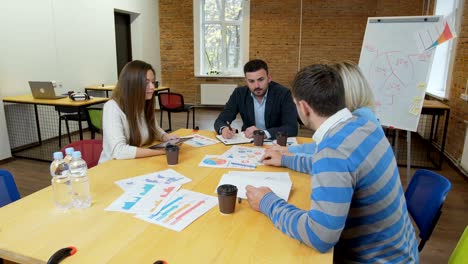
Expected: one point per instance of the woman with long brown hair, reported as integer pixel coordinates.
(128, 120)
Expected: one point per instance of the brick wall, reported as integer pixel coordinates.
(332, 31)
(458, 107)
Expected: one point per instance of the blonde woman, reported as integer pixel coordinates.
(358, 94)
(128, 118)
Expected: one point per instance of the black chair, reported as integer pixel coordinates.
(68, 113)
(174, 103)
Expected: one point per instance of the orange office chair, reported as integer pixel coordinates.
(174, 103)
(90, 150)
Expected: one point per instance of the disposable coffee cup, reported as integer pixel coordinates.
(281, 138)
(172, 154)
(227, 195)
(259, 136)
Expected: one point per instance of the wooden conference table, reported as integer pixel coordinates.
(32, 229)
(110, 87)
(29, 99)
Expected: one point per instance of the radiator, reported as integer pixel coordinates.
(464, 158)
(215, 94)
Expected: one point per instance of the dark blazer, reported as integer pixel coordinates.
(280, 110)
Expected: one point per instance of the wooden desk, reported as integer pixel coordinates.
(32, 229)
(110, 87)
(437, 109)
(28, 99)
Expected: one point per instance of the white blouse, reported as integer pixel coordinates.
(116, 133)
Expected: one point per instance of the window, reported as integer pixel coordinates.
(221, 34)
(439, 79)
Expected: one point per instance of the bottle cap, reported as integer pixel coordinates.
(58, 155)
(76, 155)
(69, 151)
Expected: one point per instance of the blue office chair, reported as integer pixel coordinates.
(8, 190)
(424, 197)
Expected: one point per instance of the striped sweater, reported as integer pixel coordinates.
(357, 201)
(302, 151)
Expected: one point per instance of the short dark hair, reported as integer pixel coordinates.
(321, 87)
(255, 65)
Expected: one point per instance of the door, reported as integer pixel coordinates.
(123, 40)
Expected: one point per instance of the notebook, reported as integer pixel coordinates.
(239, 138)
(171, 142)
(44, 90)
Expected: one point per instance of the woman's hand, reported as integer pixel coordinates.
(167, 137)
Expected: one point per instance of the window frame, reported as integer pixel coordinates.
(199, 39)
(450, 47)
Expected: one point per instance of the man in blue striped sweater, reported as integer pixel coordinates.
(358, 205)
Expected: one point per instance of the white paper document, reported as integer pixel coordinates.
(239, 138)
(279, 182)
(181, 210)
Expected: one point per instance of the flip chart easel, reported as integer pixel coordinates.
(397, 70)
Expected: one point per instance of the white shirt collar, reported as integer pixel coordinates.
(340, 116)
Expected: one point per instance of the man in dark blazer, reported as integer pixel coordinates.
(262, 104)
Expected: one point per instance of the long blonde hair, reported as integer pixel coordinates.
(357, 90)
(130, 96)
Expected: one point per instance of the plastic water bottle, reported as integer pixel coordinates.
(68, 154)
(60, 182)
(81, 196)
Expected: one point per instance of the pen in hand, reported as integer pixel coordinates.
(229, 125)
(230, 128)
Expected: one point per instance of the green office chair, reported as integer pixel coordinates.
(94, 116)
(460, 253)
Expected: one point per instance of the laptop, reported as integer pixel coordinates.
(44, 90)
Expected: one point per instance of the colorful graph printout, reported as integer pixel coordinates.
(127, 201)
(160, 178)
(201, 141)
(181, 210)
(244, 155)
(153, 201)
(213, 161)
(431, 37)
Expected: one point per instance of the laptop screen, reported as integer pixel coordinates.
(43, 90)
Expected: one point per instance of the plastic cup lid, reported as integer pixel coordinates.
(227, 189)
(171, 147)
